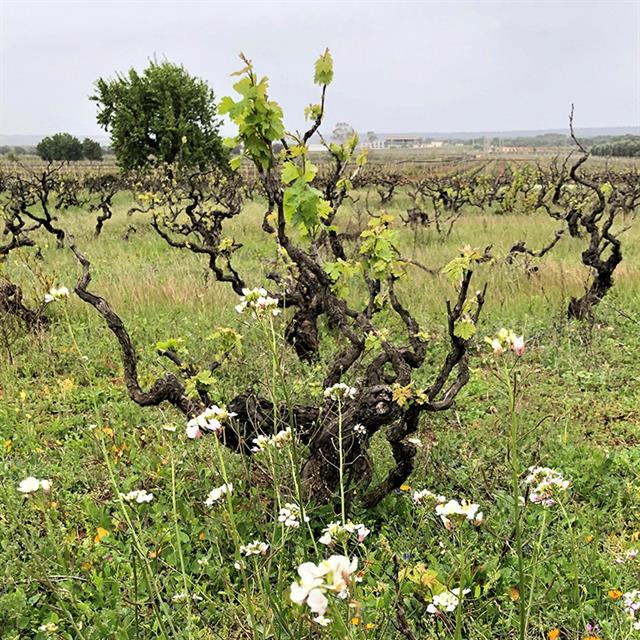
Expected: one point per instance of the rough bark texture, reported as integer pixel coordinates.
(12, 303)
(597, 221)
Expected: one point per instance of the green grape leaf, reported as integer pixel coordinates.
(324, 69)
(464, 329)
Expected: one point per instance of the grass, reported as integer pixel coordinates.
(95, 567)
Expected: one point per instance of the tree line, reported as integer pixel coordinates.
(624, 147)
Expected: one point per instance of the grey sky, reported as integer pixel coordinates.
(399, 66)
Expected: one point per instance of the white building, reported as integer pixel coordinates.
(371, 144)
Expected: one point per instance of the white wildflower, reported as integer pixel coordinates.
(360, 430)
(497, 347)
(56, 294)
(631, 604)
(316, 581)
(546, 485)
(139, 496)
(211, 419)
(506, 339)
(631, 554)
(276, 441)
(49, 627)
(340, 390)
(258, 301)
(453, 512)
(193, 431)
(427, 498)
(183, 596)
(290, 515)
(32, 485)
(337, 532)
(446, 601)
(255, 548)
(216, 494)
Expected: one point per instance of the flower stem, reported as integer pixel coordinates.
(458, 631)
(178, 543)
(536, 558)
(343, 504)
(236, 538)
(574, 562)
(515, 481)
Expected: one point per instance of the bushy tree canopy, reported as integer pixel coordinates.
(91, 149)
(162, 115)
(61, 146)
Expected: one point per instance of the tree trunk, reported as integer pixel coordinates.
(372, 409)
(12, 304)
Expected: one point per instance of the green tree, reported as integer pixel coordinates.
(161, 115)
(61, 146)
(91, 150)
(343, 131)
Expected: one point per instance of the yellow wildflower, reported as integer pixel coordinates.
(100, 535)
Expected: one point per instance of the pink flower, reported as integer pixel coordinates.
(497, 347)
(193, 431)
(518, 345)
(317, 602)
(330, 576)
(363, 532)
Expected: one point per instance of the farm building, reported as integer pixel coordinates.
(403, 142)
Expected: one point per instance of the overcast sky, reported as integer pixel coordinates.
(399, 66)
